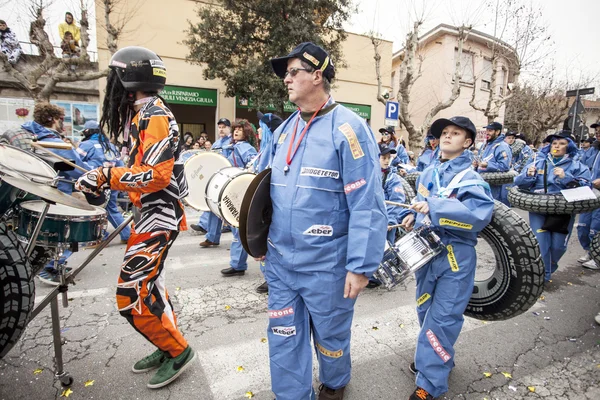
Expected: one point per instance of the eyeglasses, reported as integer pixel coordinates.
(294, 71)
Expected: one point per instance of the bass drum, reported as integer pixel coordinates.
(199, 169)
(225, 192)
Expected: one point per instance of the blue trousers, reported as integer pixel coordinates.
(301, 304)
(238, 256)
(552, 244)
(504, 193)
(213, 231)
(203, 221)
(496, 192)
(444, 287)
(115, 217)
(587, 227)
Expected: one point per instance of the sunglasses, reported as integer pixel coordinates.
(385, 134)
(294, 71)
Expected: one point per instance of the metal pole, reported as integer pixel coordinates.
(37, 229)
(575, 118)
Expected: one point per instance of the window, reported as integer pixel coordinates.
(486, 74)
(466, 63)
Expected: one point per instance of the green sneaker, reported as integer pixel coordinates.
(149, 362)
(171, 368)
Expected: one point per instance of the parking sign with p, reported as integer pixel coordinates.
(392, 109)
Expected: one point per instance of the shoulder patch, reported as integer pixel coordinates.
(423, 190)
(357, 151)
(281, 138)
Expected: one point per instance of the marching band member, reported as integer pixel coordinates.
(457, 204)
(430, 153)
(156, 184)
(327, 233)
(495, 156)
(242, 153)
(553, 170)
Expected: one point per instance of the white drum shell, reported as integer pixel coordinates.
(225, 192)
(199, 169)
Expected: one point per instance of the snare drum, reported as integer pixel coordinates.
(408, 255)
(225, 192)
(198, 170)
(62, 226)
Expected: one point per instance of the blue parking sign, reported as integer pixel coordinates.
(392, 108)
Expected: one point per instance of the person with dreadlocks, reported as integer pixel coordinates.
(156, 184)
(97, 151)
(242, 153)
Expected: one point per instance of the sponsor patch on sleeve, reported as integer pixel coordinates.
(357, 151)
(452, 259)
(281, 138)
(504, 155)
(421, 300)
(437, 346)
(285, 331)
(281, 313)
(455, 224)
(423, 190)
(319, 172)
(541, 171)
(329, 353)
(398, 189)
(351, 187)
(319, 230)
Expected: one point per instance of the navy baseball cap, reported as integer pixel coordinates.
(511, 133)
(594, 125)
(224, 121)
(562, 134)
(383, 150)
(91, 125)
(590, 140)
(497, 126)
(310, 53)
(271, 120)
(462, 122)
(389, 129)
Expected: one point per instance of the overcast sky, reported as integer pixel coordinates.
(573, 25)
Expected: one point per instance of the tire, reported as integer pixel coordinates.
(408, 190)
(550, 203)
(498, 178)
(17, 290)
(595, 248)
(518, 280)
(412, 179)
(517, 147)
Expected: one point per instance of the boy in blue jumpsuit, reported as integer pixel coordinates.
(495, 156)
(97, 151)
(243, 152)
(457, 204)
(327, 233)
(553, 170)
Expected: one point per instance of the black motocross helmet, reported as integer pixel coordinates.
(139, 69)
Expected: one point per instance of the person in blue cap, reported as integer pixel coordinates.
(456, 203)
(430, 153)
(97, 151)
(495, 156)
(587, 151)
(553, 170)
(327, 233)
(243, 152)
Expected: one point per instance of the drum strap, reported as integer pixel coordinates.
(456, 183)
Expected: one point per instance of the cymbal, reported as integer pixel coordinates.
(255, 215)
(48, 193)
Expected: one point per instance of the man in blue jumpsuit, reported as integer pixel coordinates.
(495, 156)
(327, 233)
(209, 221)
(457, 204)
(97, 151)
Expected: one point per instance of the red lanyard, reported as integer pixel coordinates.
(290, 154)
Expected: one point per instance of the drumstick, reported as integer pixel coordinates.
(393, 203)
(37, 146)
(55, 145)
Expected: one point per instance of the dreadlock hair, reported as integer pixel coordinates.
(248, 130)
(118, 99)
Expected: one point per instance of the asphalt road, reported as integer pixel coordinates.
(550, 352)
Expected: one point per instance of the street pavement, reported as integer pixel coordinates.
(550, 352)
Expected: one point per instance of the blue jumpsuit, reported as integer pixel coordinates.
(92, 152)
(208, 220)
(328, 218)
(445, 284)
(393, 191)
(498, 156)
(518, 161)
(427, 158)
(589, 156)
(589, 223)
(552, 244)
(241, 155)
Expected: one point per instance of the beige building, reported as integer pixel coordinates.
(438, 49)
(198, 103)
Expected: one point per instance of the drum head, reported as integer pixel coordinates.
(232, 197)
(198, 171)
(37, 206)
(16, 162)
(255, 215)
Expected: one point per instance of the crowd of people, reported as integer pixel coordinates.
(330, 177)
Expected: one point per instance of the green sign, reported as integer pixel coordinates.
(243, 103)
(362, 110)
(190, 96)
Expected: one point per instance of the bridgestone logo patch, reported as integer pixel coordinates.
(437, 347)
(321, 173)
(423, 299)
(319, 230)
(284, 331)
(329, 353)
(456, 224)
(351, 187)
(452, 259)
(281, 313)
(357, 151)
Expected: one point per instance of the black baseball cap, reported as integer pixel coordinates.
(383, 150)
(497, 126)
(594, 125)
(590, 140)
(562, 134)
(224, 121)
(462, 122)
(271, 120)
(512, 133)
(310, 53)
(388, 129)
